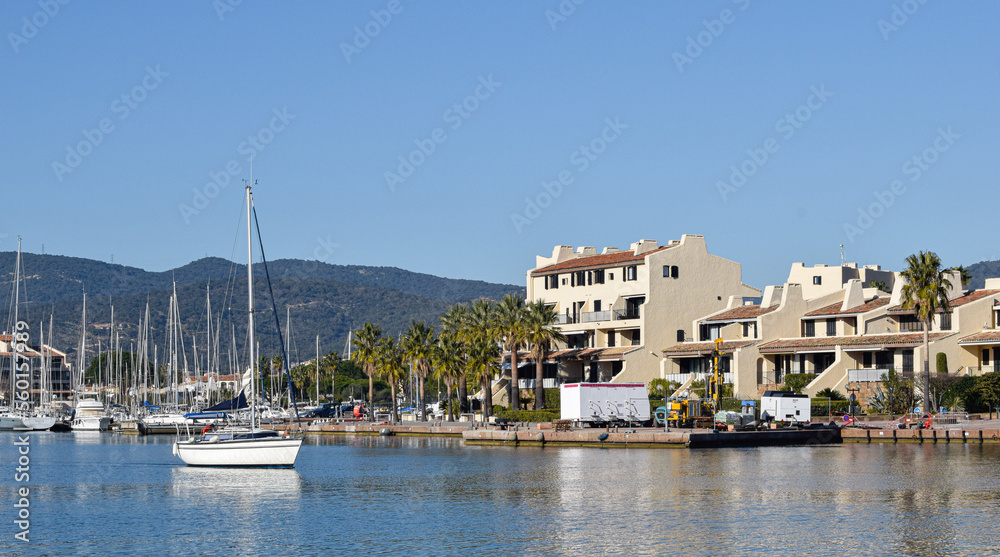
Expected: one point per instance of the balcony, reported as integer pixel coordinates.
(911, 327)
(976, 371)
(627, 313)
(866, 374)
(591, 316)
(564, 319)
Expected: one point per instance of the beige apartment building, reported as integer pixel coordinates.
(618, 308)
(852, 334)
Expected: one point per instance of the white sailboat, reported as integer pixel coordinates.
(21, 417)
(242, 446)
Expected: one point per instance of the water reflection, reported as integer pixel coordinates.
(128, 495)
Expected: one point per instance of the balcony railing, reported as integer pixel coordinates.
(591, 316)
(979, 370)
(564, 319)
(627, 313)
(911, 327)
(866, 374)
(547, 383)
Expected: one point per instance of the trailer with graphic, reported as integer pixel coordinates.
(600, 404)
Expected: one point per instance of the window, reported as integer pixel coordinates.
(680, 335)
(817, 279)
(636, 338)
(866, 360)
(831, 327)
(564, 282)
(945, 321)
(666, 271)
(597, 305)
(673, 271)
(552, 281)
(580, 278)
(599, 276)
(908, 360)
(630, 273)
(611, 338)
(611, 276)
(810, 329)
(590, 278)
(748, 332)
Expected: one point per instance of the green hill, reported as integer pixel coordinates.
(322, 299)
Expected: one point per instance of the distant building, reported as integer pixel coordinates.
(59, 370)
(619, 308)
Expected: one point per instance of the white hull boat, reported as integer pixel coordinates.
(259, 449)
(12, 422)
(90, 423)
(89, 414)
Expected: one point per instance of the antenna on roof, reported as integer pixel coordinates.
(841, 255)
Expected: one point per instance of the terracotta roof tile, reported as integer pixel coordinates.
(741, 312)
(614, 352)
(601, 260)
(702, 348)
(873, 341)
(957, 302)
(834, 309)
(981, 338)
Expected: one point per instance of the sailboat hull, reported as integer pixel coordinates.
(273, 452)
(26, 423)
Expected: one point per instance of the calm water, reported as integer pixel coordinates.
(105, 494)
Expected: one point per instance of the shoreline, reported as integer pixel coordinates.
(531, 435)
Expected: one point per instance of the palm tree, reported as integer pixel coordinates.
(366, 353)
(482, 361)
(479, 334)
(448, 364)
(925, 292)
(389, 358)
(512, 333)
(542, 335)
(453, 323)
(417, 344)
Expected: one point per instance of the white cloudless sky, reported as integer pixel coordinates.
(643, 108)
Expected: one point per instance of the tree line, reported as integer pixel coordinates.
(468, 348)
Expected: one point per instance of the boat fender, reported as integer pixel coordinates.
(602, 437)
(385, 432)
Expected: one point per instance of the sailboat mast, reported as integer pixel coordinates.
(317, 370)
(17, 297)
(253, 356)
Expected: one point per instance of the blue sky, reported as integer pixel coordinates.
(777, 130)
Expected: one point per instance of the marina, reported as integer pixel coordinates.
(403, 494)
